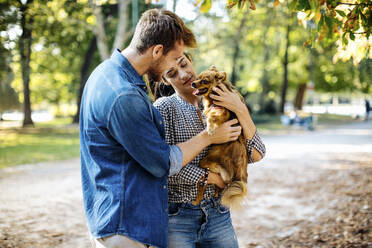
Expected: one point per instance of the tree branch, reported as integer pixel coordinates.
(354, 4)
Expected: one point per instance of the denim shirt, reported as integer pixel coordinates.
(125, 160)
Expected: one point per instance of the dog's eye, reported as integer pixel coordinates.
(204, 81)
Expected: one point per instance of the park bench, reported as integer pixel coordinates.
(298, 118)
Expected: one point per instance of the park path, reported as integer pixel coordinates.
(312, 189)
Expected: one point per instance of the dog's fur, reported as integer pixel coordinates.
(230, 159)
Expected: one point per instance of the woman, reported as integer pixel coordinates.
(208, 224)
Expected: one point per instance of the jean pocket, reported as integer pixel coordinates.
(173, 209)
(222, 209)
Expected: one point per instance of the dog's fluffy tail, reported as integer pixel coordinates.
(234, 195)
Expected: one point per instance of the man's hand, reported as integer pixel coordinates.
(214, 178)
(226, 132)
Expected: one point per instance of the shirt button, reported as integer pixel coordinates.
(160, 122)
(164, 187)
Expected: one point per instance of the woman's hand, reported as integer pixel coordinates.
(225, 98)
(214, 178)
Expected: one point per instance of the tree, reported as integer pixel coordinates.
(84, 72)
(122, 33)
(285, 67)
(338, 22)
(8, 97)
(25, 42)
(236, 47)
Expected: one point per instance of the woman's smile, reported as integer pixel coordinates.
(189, 81)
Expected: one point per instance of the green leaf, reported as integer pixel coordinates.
(364, 19)
(300, 5)
(307, 5)
(352, 36)
(293, 5)
(321, 23)
(329, 22)
(206, 6)
(341, 13)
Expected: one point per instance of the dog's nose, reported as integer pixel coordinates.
(193, 85)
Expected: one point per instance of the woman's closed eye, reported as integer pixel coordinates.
(171, 73)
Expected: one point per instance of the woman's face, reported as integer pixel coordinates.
(181, 76)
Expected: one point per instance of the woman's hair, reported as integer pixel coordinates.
(160, 89)
(161, 27)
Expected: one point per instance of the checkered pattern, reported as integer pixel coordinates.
(182, 122)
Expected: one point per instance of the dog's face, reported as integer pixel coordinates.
(206, 80)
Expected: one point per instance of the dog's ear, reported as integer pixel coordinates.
(221, 76)
(213, 68)
(228, 86)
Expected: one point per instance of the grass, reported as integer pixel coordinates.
(49, 141)
(272, 122)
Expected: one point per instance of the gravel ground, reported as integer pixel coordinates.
(313, 189)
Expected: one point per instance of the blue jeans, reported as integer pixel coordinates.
(207, 225)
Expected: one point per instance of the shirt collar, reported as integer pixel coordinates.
(187, 104)
(127, 67)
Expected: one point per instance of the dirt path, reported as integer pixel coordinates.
(313, 189)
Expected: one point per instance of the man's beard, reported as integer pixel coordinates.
(154, 72)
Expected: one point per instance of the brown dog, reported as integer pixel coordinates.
(230, 160)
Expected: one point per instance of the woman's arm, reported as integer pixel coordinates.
(232, 102)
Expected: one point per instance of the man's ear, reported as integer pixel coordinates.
(157, 51)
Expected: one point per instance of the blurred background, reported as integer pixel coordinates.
(304, 68)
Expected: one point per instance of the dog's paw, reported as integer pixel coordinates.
(211, 131)
(211, 127)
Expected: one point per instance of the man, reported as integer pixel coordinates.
(125, 160)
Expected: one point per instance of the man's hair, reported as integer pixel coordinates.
(161, 27)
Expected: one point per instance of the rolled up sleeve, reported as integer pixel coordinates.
(257, 144)
(175, 159)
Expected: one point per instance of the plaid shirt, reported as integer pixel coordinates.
(182, 122)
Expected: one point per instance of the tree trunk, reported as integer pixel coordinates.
(121, 32)
(235, 58)
(84, 74)
(265, 75)
(285, 76)
(99, 31)
(174, 6)
(300, 96)
(25, 42)
(265, 79)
